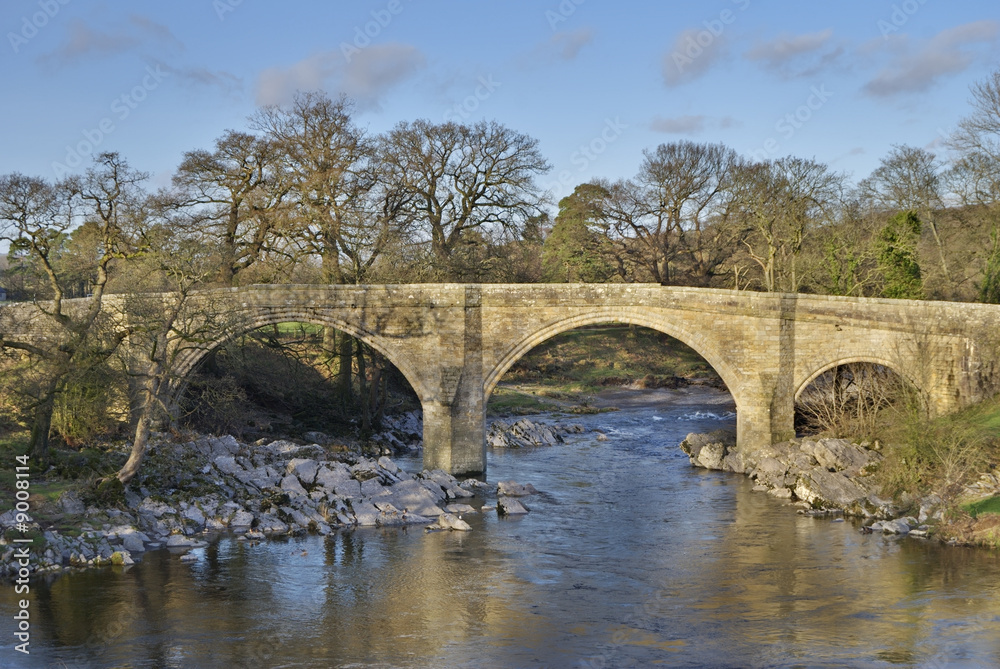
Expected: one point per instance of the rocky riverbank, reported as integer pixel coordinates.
(831, 476)
(190, 491)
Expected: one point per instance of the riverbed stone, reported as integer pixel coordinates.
(365, 513)
(460, 508)
(241, 518)
(509, 506)
(820, 487)
(515, 489)
(447, 521)
(133, 543)
(291, 485)
(413, 497)
(522, 434)
(372, 488)
(304, 469)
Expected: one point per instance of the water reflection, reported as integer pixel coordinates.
(629, 557)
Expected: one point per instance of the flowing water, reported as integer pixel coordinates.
(629, 557)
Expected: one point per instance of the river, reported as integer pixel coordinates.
(629, 557)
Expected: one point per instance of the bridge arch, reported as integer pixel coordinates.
(800, 386)
(701, 345)
(255, 319)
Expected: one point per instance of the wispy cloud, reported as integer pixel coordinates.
(83, 41)
(917, 66)
(368, 76)
(796, 55)
(690, 124)
(561, 46)
(689, 59)
(223, 82)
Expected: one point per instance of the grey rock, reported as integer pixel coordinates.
(241, 519)
(509, 506)
(515, 489)
(708, 450)
(388, 465)
(156, 509)
(523, 433)
(271, 524)
(133, 543)
(304, 469)
(447, 521)
(413, 497)
(227, 465)
(71, 503)
(459, 508)
(291, 485)
(820, 487)
(195, 515)
(372, 488)
(365, 513)
(348, 488)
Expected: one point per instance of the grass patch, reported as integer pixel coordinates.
(514, 402)
(983, 507)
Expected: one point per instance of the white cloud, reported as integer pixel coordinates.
(366, 77)
(680, 125)
(916, 67)
(82, 40)
(693, 53)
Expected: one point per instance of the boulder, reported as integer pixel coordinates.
(413, 497)
(709, 450)
(447, 521)
(515, 489)
(823, 488)
(132, 543)
(509, 506)
(523, 433)
(837, 454)
(291, 485)
(459, 508)
(365, 513)
(227, 465)
(304, 470)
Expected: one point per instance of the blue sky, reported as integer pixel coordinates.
(595, 81)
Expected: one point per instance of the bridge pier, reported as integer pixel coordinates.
(455, 438)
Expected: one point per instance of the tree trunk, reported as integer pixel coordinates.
(366, 414)
(38, 445)
(345, 366)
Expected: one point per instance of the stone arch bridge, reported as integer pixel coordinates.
(453, 342)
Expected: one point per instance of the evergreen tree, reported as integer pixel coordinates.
(896, 250)
(574, 251)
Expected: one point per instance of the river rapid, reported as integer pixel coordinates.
(629, 557)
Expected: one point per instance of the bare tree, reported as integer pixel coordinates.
(235, 192)
(459, 179)
(778, 202)
(34, 214)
